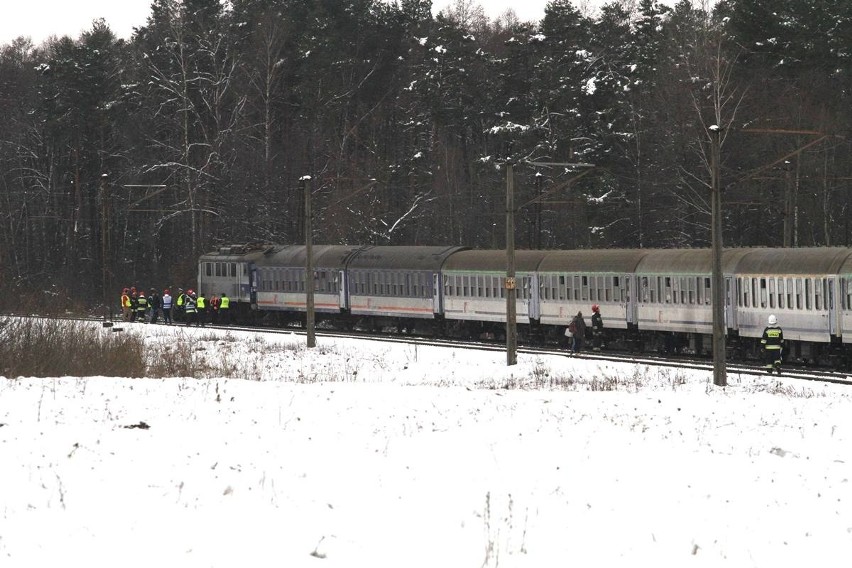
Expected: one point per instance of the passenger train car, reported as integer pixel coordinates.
(649, 298)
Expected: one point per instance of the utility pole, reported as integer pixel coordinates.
(511, 282)
(788, 206)
(105, 247)
(717, 281)
(309, 266)
(511, 298)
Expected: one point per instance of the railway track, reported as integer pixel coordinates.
(791, 371)
(681, 362)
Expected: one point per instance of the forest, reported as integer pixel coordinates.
(122, 160)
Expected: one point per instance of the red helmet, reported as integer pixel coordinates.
(166, 291)
(190, 292)
(596, 308)
(126, 291)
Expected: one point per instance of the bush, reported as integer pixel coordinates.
(31, 347)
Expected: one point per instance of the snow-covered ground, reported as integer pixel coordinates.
(379, 455)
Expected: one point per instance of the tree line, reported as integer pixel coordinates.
(122, 160)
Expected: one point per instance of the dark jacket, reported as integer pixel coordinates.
(579, 326)
(773, 338)
(597, 323)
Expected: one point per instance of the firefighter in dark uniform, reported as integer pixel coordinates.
(773, 345)
(597, 328)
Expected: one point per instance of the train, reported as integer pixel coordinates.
(650, 299)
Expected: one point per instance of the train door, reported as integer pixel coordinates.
(342, 290)
(534, 295)
(630, 293)
(436, 294)
(253, 288)
(831, 304)
(730, 304)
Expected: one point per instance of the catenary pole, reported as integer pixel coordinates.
(309, 267)
(511, 299)
(718, 285)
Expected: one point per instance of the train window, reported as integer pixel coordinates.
(585, 289)
(208, 269)
(465, 282)
(772, 293)
(798, 282)
(808, 293)
(762, 283)
(561, 287)
(608, 289)
(233, 267)
(848, 305)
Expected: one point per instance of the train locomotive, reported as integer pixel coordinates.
(650, 299)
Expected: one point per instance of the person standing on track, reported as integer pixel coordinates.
(167, 307)
(190, 309)
(597, 328)
(126, 305)
(224, 309)
(577, 327)
(773, 345)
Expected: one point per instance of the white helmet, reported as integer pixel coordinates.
(773, 320)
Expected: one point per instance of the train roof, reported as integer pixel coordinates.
(687, 261)
(494, 260)
(604, 260)
(402, 258)
(235, 253)
(324, 256)
(808, 260)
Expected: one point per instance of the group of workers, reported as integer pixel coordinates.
(187, 307)
(772, 340)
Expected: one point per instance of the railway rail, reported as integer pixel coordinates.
(791, 371)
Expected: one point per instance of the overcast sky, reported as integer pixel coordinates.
(40, 19)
